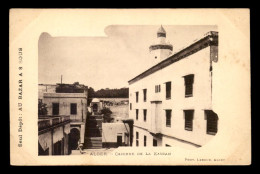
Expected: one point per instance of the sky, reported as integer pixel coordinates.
(110, 61)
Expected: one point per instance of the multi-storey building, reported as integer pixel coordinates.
(69, 99)
(171, 102)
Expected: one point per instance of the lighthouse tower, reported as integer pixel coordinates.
(161, 50)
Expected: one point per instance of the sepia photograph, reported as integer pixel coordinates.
(95, 89)
(168, 104)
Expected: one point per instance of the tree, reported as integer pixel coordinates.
(112, 93)
(42, 108)
(91, 93)
(107, 115)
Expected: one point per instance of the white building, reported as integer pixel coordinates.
(69, 100)
(115, 134)
(171, 102)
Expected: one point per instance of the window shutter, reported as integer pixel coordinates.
(189, 119)
(189, 79)
(212, 122)
(168, 118)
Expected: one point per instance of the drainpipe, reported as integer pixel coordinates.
(82, 111)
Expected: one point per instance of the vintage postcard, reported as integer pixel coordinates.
(130, 87)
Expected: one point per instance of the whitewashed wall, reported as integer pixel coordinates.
(197, 64)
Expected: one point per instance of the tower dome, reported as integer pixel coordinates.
(162, 49)
(161, 32)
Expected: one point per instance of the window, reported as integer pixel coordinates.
(168, 117)
(145, 91)
(168, 90)
(137, 112)
(137, 93)
(130, 106)
(189, 79)
(145, 112)
(137, 139)
(55, 108)
(157, 88)
(154, 142)
(188, 114)
(212, 122)
(144, 140)
(73, 108)
(167, 145)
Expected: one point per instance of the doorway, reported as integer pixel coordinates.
(119, 140)
(74, 137)
(154, 142)
(95, 107)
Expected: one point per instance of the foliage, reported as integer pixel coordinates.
(107, 115)
(91, 93)
(112, 93)
(107, 93)
(42, 108)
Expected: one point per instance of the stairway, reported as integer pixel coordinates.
(94, 142)
(93, 133)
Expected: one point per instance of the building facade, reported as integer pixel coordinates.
(69, 99)
(171, 102)
(53, 135)
(42, 88)
(115, 134)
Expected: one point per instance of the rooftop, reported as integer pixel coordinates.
(64, 95)
(71, 88)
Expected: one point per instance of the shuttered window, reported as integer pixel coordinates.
(145, 93)
(212, 122)
(157, 88)
(55, 108)
(168, 90)
(137, 95)
(73, 108)
(145, 112)
(189, 79)
(168, 117)
(188, 114)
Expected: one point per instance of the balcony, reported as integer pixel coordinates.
(45, 122)
(156, 97)
(156, 109)
(42, 124)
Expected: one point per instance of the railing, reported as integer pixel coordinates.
(48, 121)
(55, 121)
(65, 118)
(42, 124)
(76, 120)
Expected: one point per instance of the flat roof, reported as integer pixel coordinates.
(64, 95)
(210, 38)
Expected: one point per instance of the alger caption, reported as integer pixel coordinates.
(131, 153)
(20, 97)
